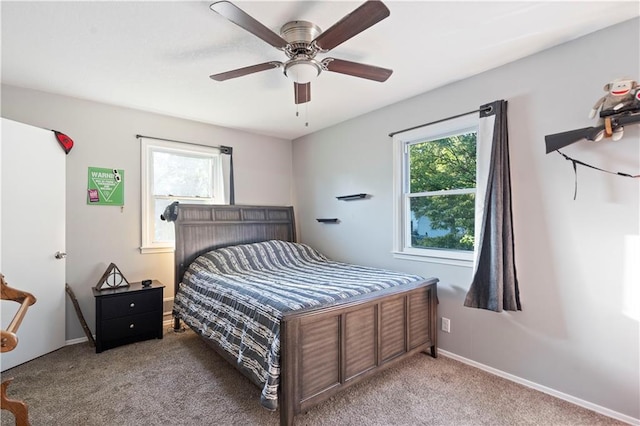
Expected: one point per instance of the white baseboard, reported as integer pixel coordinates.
(76, 341)
(561, 395)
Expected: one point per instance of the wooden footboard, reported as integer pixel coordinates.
(322, 350)
(326, 350)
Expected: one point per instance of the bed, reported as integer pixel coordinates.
(299, 348)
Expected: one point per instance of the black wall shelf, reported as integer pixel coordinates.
(328, 220)
(352, 197)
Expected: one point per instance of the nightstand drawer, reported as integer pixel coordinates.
(128, 314)
(133, 325)
(131, 304)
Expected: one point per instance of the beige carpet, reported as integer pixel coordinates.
(179, 380)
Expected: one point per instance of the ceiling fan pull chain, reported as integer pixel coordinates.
(306, 114)
(295, 89)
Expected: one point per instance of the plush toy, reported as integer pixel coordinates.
(621, 97)
(170, 214)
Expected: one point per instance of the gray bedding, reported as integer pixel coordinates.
(237, 295)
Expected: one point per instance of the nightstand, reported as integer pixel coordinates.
(128, 314)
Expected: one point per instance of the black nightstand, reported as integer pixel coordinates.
(128, 314)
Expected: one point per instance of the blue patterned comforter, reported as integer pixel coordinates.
(237, 295)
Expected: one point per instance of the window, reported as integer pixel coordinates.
(173, 171)
(434, 188)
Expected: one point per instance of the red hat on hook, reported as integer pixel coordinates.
(65, 141)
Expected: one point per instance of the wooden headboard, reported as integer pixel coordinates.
(200, 228)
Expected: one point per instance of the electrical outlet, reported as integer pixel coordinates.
(446, 325)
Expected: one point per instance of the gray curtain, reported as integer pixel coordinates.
(494, 285)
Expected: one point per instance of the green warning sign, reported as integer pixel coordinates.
(105, 187)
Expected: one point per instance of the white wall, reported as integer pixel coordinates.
(104, 136)
(578, 333)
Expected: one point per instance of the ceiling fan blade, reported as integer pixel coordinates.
(239, 17)
(357, 69)
(246, 70)
(302, 92)
(366, 15)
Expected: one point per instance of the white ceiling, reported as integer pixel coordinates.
(157, 56)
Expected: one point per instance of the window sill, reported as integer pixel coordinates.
(444, 260)
(153, 250)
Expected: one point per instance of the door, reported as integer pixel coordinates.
(32, 230)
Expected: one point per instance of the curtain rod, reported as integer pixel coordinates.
(486, 108)
(222, 148)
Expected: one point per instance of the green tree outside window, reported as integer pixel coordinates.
(441, 190)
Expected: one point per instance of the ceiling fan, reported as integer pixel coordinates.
(301, 41)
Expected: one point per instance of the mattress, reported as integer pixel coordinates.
(237, 295)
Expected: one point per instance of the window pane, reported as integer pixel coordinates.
(442, 164)
(163, 231)
(182, 175)
(443, 221)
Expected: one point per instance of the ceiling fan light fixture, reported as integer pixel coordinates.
(302, 71)
(301, 41)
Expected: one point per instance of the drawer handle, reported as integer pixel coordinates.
(132, 305)
(131, 325)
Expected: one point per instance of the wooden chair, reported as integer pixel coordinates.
(8, 342)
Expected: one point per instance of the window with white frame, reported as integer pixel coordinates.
(434, 189)
(173, 171)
